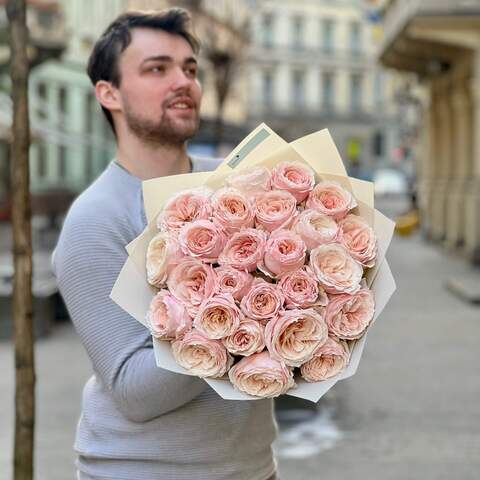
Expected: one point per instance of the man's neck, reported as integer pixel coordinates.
(145, 161)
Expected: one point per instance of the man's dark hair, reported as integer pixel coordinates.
(103, 61)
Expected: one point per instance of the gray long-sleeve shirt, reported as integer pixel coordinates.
(139, 421)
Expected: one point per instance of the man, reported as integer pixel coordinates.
(139, 421)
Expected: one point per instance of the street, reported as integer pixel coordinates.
(411, 411)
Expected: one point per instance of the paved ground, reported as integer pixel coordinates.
(411, 411)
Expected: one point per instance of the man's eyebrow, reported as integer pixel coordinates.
(167, 58)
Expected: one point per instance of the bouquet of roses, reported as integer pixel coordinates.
(260, 277)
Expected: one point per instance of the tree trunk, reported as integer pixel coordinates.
(22, 248)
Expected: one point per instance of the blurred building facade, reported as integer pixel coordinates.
(439, 41)
(313, 66)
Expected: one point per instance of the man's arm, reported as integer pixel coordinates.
(87, 262)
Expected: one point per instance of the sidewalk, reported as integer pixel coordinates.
(412, 410)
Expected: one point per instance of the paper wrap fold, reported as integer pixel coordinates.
(261, 147)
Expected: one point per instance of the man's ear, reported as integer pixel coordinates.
(107, 95)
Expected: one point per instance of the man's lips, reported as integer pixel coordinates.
(182, 103)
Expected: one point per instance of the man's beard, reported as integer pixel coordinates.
(162, 131)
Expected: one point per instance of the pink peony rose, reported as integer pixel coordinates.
(329, 360)
(301, 290)
(349, 315)
(218, 316)
(294, 335)
(331, 199)
(184, 207)
(263, 300)
(275, 209)
(244, 250)
(201, 356)
(284, 252)
(250, 181)
(262, 376)
(335, 269)
(163, 254)
(294, 177)
(315, 228)
(235, 282)
(191, 281)
(167, 318)
(202, 239)
(248, 338)
(359, 239)
(232, 210)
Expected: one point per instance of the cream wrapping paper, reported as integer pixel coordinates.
(261, 147)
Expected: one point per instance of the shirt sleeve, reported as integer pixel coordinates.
(88, 258)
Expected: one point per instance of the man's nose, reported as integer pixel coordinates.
(181, 79)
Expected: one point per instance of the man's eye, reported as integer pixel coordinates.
(157, 69)
(192, 72)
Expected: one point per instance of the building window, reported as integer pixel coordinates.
(327, 35)
(62, 99)
(328, 91)
(46, 19)
(267, 88)
(298, 28)
(298, 88)
(356, 81)
(379, 89)
(42, 160)
(267, 30)
(355, 37)
(62, 162)
(42, 101)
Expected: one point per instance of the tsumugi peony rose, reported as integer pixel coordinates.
(250, 181)
(294, 335)
(335, 269)
(202, 239)
(191, 281)
(244, 250)
(235, 282)
(184, 207)
(285, 251)
(348, 316)
(294, 177)
(262, 376)
(248, 338)
(218, 316)
(167, 318)
(331, 199)
(263, 301)
(232, 210)
(163, 254)
(315, 228)
(201, 356)
(327, 361)
(301, 290)
(359, 239)
(275, 209)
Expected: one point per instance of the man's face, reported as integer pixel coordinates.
(159, 90)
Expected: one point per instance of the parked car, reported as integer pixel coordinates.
(390, 181)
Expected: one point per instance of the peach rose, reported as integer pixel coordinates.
(327, 361)
(335, 269)
(359, 239)
(167, 318)
(191, 281)
(275, 209)
(294, 177)
(232, 210)
(294, 335)
(349, 315)
(315, 228)
(262, 376)
(235, 282)
(184, 207)
(285, 251)
(201, 356)
(331, 199)
(163, 254)
(244, 250)
(248, 338)
(218, 316)
(250, 181)
(263, 300)
(202, 239)
(301, 290)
